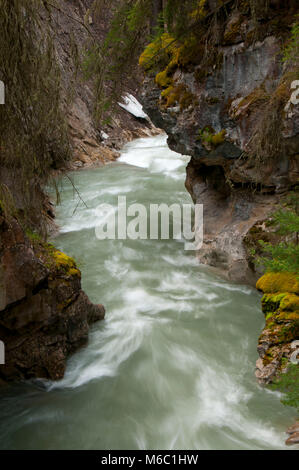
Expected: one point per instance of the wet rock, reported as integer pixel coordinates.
(293, 429)
(293, 439)
(44, 314)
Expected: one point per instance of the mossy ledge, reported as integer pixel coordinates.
(280, 304)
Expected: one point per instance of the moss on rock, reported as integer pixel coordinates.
(280, 304)
(272, 283)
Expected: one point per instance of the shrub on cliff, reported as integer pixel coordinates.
(291, 52)
(285, 255)
(288, 383)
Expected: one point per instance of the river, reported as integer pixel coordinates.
(172, 366)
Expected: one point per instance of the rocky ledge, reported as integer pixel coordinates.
(280, 304)
(293, 433)
(44, 314)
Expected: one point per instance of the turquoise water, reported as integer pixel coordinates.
(172, 366)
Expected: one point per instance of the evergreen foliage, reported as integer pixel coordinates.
(288, 383)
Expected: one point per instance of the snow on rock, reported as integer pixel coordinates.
(104, 135)
(132, 105)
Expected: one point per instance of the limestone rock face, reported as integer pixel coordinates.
(44, 314)
(293, 439)
(233, 94)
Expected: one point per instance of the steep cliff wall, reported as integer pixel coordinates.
(221, 99)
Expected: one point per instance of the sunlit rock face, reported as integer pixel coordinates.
(242, 90)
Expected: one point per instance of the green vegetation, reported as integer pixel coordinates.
(280, 285)
(208, 136)
(291, 52)
(288, 383)
(176, 36)
(284, 256)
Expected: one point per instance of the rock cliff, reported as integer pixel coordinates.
(221, 99)
(93, 143)
(44, 314)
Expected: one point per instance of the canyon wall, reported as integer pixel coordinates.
(73, 26)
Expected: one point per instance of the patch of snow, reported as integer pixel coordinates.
(132, 105)
(104, 135)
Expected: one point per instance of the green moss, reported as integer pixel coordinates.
(269, 357)
(65, 262)
(150, 55)
(186, 100)
(290, 302)
(178, 94)
(278, 282)
(33, 236)
(163, 80)
(271, 302)
(288, 383)
(55, 260)
(200, 12)
(201, 74)
(287, 316)
(207, 136)
(219, 138)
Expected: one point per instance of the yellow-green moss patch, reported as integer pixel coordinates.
(163, 80)
(290, 302)
(272, 283)
(65, 262)
(271, 302)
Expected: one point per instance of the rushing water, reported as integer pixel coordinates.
(172, 366)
